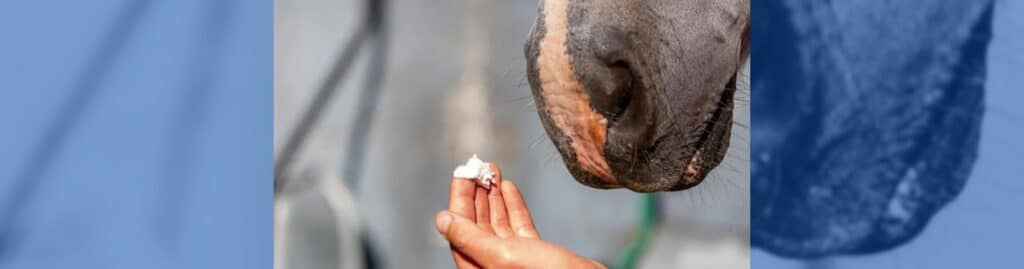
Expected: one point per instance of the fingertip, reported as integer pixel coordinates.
(463, 183)
(508, 188)
(443, 220)
(498, 178)
(495, 169)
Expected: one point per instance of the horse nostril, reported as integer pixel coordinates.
(613, 95)
(610, 75)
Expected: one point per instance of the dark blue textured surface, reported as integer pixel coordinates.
(866, 120)
(856, 74)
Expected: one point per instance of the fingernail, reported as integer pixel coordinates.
(442, 221)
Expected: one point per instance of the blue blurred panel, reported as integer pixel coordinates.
(876, 132)
(136, 134)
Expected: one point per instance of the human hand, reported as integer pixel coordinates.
(493, 229)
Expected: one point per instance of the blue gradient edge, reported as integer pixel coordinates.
(166, 162)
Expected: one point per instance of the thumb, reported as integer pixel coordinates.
(467, 237)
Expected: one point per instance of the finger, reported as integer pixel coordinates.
(462, 261)
(461, 199)
(519, 215)
(461, 202)
(466, 237)
(483, 211)
(499, 216)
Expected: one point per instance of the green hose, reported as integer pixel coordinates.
(647, 222)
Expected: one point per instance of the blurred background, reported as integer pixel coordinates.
(453, 84)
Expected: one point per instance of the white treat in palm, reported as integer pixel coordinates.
(475, 169)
